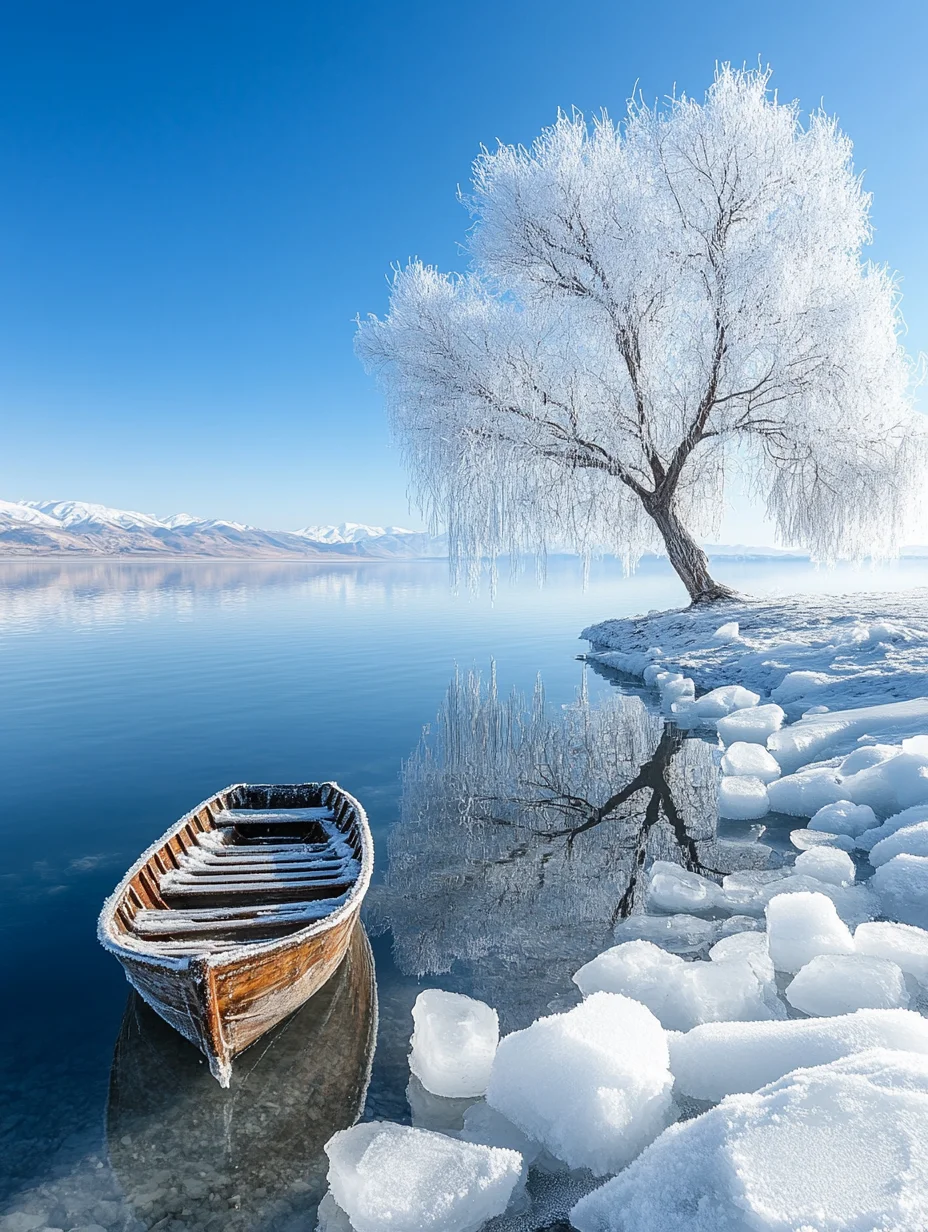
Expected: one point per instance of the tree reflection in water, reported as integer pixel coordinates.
(525, 832)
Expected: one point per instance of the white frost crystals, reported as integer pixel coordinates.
(649, 303)
(837, 1148)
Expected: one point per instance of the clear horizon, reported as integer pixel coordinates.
(198, 203)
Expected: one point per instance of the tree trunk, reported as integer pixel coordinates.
(685, 554)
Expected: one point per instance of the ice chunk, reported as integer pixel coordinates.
(806, 793)
(411, 1180)
(815, 736)
(722, 1058)
(636, 969)
(592, 1085)
(800, 685)
(681, 994)
(836, 1148)
(802, 925)
(805, 840)
(738, 924)
(900, 943)
(742, 798)
(916, 744)
(842, 983)
(675, 687)
(909, 841)
(726, 633)
(902, 885)
(827, 864)
(753, 725)
(330, 1217)
(680, 933)
(750, 760)
(854, 903)
(719, 702)
(898, 783)
(843, 817)
(453, 1043)
(750, 892)
(750, 946)
(898, 821)
(672, 888)
(488, 1127)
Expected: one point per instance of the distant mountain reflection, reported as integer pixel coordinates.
(99, 591)
(249, 1157)
(524, 833)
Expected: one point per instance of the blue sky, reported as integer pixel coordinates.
(198, 198)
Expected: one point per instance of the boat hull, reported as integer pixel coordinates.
(225, 1009)
(224, 1002)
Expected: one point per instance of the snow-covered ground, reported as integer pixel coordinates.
(858, 649)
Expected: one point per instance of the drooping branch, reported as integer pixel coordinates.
(651, 304)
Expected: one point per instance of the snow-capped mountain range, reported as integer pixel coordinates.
(78, 528)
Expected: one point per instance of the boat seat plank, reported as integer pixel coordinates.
(254, 885)
(196, 921)
(311, 873)
(273, 817)
(215, 843)
(248, 858)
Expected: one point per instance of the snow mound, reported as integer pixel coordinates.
(838, 1148)
(801, 926)
(682, 994)
(743, 798)
(834, 984)
(723, 1058)
(754, 725)
(592, 1085)
(453, 1043)
(900, 943)
(411, 1180)
(902, 886)
(746, 760)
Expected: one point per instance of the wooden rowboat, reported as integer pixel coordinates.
(241, 911)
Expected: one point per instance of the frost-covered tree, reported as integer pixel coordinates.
(650, 304)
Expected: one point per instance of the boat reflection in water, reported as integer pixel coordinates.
(525, 833)
(185, 1150)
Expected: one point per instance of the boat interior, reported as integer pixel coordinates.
(252, 864)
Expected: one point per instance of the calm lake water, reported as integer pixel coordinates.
(132, 691)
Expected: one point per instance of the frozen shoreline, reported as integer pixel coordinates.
(866, 649)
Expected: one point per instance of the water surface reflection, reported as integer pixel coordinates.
(524, 833)
(249, 1157)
